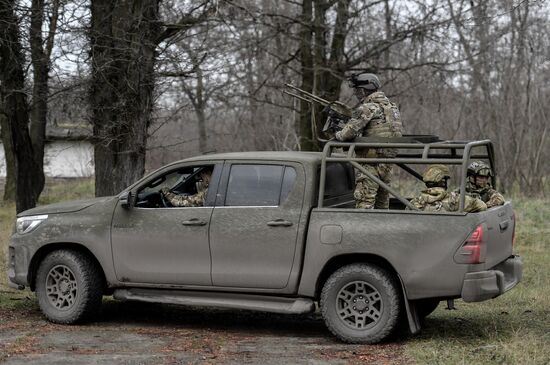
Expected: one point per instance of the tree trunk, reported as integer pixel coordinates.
(123, 42)
(9, 186)
(41, 66)
(307, 143)
(15, 130)
(200, 112)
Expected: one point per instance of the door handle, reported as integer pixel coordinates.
(279, 223)
(503, 226)
(194, 222)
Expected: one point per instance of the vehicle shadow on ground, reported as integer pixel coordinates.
(461, 326)
(237, 321)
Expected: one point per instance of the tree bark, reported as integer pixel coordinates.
(307, 143)
(9, 186)
(123, 42)
(15, 130)
(40, 57)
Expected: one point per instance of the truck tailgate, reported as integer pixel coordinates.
(498, 235)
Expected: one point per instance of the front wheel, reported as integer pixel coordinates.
(361, 303)
(69, 287)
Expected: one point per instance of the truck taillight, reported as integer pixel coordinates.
(474, 248)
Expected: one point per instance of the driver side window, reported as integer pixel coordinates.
(169, 181)
(185, 181)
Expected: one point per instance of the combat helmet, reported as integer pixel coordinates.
(479, 168)
(436, 174)
(365, 81)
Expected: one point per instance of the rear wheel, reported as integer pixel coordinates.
(360, 303)
(69, 287)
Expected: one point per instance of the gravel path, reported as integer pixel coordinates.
(137, 333)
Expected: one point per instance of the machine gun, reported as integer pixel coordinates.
(338, 113)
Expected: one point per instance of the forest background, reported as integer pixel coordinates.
(157, 81)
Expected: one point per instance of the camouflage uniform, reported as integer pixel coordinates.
(376, 116)
(196, 200)
(490, 196)
(437, 198)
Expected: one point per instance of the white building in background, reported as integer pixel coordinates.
(68, 153)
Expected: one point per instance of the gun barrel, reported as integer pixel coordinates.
(313, 97)
(298, 96)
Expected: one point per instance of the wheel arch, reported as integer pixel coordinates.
(346, 259)
(56, 246)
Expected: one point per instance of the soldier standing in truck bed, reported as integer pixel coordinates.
(375, 116)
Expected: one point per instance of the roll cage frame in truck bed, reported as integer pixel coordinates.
(435, 152)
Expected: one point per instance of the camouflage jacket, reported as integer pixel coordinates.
(490, 196)
(195, 200)
(439, 199)
(376, 116)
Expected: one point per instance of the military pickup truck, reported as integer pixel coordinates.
(278, 232)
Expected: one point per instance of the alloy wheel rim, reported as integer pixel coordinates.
(61, 287)
(359, 305)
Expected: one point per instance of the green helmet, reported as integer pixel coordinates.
(436, 173)
(479, 168)
(365, 81)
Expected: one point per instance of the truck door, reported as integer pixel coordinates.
(254, 226)
(158, 244)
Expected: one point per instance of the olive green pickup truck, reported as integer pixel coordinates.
(278, 232)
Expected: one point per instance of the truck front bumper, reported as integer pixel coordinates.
(483, 285)
(18, 263)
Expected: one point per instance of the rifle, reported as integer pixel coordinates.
(338, 113)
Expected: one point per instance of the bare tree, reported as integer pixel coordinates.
(41, 51)
(124, 39)
(15, 121)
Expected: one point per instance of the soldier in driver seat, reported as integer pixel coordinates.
(195, 200)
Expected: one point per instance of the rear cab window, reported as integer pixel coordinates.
(259, 185)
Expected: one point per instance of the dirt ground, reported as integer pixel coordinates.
(139, 333)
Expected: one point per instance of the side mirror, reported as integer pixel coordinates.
(126, 200)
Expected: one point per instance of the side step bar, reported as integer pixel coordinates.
(261, 303)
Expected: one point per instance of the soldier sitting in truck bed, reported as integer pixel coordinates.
(437, 198)
(479, 186)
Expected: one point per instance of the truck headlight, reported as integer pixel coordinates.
(28, 224)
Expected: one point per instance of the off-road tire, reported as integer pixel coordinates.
(425, 307)
(78, 275)
(388, 303)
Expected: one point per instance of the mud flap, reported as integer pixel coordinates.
(410, 309)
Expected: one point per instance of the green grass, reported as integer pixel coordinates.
(511, 329)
